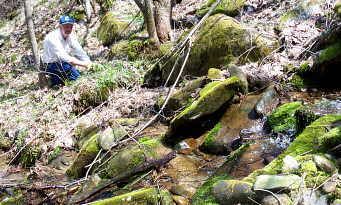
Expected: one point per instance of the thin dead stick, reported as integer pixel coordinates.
(169, 93)
(92, 163)
(270, 192)
(144, 167)
(330, 178)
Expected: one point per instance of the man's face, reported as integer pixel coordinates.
(66, 29)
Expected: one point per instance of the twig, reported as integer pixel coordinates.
(334, 175)
(145, 166)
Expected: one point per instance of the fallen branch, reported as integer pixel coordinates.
(144, 167)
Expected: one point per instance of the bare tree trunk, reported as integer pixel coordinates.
(88, 10)
(163, 15)
(148, 15)
(35, 51)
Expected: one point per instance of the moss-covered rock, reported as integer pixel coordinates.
(314, 139)
(215, 74)
(229, 192)
(228, 7)
(207, 104)
(135, 155)
(89, 95)
(111, 29)
(182, 97)
(283, 118)
(220, 41)
(204, 196)
(235, 71)
(304, 117)
(85, 156)
(144, 196)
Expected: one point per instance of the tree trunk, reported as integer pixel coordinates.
(148, 15)
(163, 15)
(35, 51)
(88, 10)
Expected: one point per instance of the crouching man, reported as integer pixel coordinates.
(62, 52)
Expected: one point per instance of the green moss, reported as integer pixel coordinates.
(214, 74)
(283, 119)
(85, 156)
(29, 155)
(17, 200)
(208, 88)
(203, 196)
(145, 196)
(222, 92)
(309, 167)
(134, 49)
(110, 29)
(78, 14)
(330, 53)
(304, 67)
(228, 7)
(274, 168)
(337, 8)
(209, 139)
(331, 138)
(313, 137)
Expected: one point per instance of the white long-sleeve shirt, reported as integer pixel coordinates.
(57, 49)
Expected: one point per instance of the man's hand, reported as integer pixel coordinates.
(85, 64)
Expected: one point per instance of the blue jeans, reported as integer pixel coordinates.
(60, 72)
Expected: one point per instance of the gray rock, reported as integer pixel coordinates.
(329, 186)
(235, 71)
(268, 101)
(276, 182)
(310, 197)
(271, 200)
(290, 164)
(232, 191)
(111, 136)
(324, 164)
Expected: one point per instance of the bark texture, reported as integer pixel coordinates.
(35, 51)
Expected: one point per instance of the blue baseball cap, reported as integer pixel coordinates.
(66, 20)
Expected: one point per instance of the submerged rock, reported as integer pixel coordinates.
(238, 116)
(144, 196)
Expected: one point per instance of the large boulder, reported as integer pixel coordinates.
(220, 41)
(212, 97)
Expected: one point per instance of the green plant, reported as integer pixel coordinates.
(52, 155)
